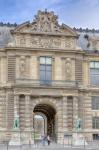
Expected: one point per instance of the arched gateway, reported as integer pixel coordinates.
(44, 120)
(48, 109)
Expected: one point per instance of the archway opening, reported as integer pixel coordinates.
(44, 120)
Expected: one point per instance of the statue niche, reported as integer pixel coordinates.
(68, 68)
(22, 42)
(22, 66)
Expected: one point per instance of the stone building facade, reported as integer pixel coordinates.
(43, 70)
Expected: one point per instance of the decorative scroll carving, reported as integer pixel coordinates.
(46, 22)
(69, 43)
(68, 69)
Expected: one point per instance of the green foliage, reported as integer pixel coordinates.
(7, 24)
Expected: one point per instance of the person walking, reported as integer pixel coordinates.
(48, 140)
(44, 139)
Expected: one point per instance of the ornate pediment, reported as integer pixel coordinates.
(45, 22)
(44, 32)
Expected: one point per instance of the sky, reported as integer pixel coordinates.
(75, 13)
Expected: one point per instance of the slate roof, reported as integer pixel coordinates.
(5, 36)
(83, 42)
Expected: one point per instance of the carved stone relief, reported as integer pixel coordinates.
(46, 42)
(56, 43)
(51, 42)
(68, 69)
(69, 43)
(22, 42)
(22, 66)
(45, 22)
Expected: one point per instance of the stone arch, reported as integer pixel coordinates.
(54, 103)
(50, 101)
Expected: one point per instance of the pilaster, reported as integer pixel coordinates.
(27, 112)
(65, 113)
(75, 110)
(16, 105)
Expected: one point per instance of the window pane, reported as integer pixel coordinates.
(42, 67)
(45, 69)
(48, 68)
(48, 60)
(48, 75)
(91, 64)
(95, 80)
(42, 60)
(94, 71)
(94, 76)
(42, 75)
(95, 136)
(96, 64)
(95, 122)
(95, 103)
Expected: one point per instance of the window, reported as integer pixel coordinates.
(95, 123)
(45, 70)
(95, 136)
(94, 73)
(95, 103)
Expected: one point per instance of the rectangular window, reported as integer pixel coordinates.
(95, 122)
(95, 103)
(94, 73)
(45, 70)
(95, 136)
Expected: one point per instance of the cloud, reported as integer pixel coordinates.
(92, 2)
(78, 13)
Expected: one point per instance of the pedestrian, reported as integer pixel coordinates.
(43, 139)
(48, 140)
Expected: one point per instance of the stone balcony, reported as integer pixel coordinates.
(46, 83)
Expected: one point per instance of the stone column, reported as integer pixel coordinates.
(75, 110)
(65, 114)
(16, 138)
(87, 113)
(60, 124)
(28, 132)
(27, 112)
(16, 104)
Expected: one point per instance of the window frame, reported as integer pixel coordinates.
(94, 73)
(46, 69)
(95, 102)
(95, 122)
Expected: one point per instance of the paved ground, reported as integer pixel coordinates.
(51, 147)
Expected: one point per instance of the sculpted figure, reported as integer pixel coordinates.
(22, 65)
(68, 69)
(16, 123)
(78, 124)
